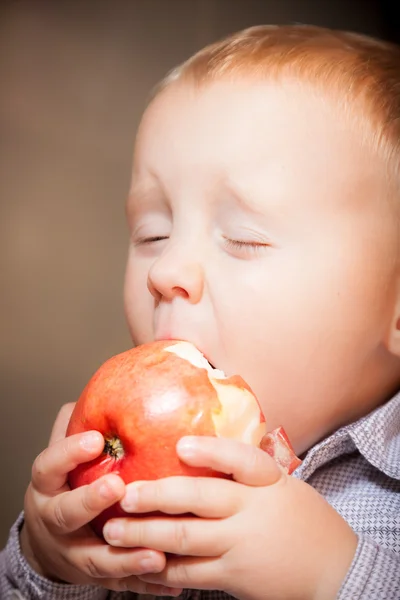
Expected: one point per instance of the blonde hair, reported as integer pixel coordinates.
(361, 74)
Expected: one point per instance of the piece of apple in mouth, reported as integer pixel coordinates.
(189, 351)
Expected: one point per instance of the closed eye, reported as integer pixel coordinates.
(243, 246)
(151, 239)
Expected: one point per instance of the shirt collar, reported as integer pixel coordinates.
(376, 436)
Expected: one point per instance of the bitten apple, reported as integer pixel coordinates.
(145, 399)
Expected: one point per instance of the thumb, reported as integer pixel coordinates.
(245, 463)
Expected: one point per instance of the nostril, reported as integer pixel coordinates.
(179, 291)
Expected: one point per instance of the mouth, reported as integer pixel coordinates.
(187, 339)
(205, 355)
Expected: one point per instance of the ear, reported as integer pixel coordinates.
(394, 333)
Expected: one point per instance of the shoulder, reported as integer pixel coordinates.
(365, 497)
(357, 470)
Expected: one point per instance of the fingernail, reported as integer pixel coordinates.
(149, 564)
(106, 491)
(187, 446)
(91, 440)
(113, 531)
(130, 501)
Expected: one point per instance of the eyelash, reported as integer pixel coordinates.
(242, 245)
(151, 240)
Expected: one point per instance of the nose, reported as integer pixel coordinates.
(176, 274)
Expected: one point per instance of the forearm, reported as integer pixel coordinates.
(16, 573)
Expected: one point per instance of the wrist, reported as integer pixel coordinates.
(27, 552)
(337, 562)
(31, 557)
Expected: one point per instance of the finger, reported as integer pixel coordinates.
(61, 423)
(71, 510)
(191, 573)
(247, 464)
(207, 497)
(185, 536)
(134, 584)
(51, 467)
(97, 561)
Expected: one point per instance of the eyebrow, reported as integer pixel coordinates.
(242, 197)
(134, 198)
(153, 193)
(140, 193)
(137, 192)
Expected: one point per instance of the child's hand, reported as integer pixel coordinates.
(56, 538)
(264, 536)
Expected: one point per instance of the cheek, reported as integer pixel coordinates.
(315, 316)
(338, 294)
(138, 302)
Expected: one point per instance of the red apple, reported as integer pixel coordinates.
(144, 400)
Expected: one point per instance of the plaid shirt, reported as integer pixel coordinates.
(357, 469)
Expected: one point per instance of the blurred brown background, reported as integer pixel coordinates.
(74, 79)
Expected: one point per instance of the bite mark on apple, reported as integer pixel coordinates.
(188, 352)
(239, 418)
(240, 415)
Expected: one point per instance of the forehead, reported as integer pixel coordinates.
(281, 130)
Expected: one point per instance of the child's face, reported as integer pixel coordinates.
(260, 232)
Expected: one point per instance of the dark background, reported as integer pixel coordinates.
(74, 79)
